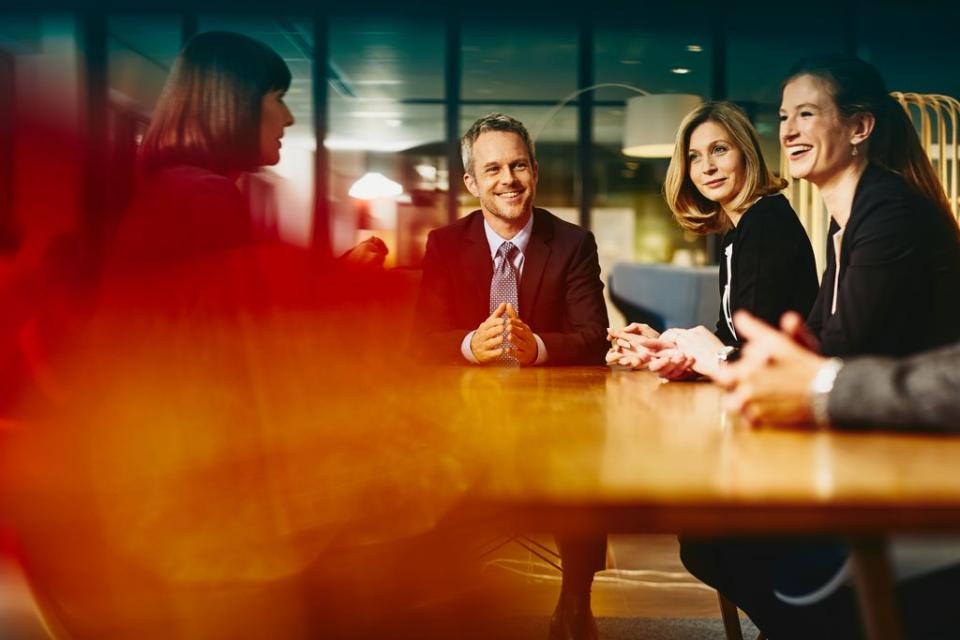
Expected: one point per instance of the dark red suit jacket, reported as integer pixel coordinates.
(560, 296)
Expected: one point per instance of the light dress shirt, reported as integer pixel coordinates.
(520, 241)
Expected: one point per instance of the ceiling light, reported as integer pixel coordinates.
(651, 123)
(680, 71)
(694, 48)
(650, 128)
(374, 186)
(426, 171)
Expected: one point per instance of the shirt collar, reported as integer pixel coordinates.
(520, 241)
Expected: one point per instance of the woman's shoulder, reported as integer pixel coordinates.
(192, 190)
(879, 187)
(184, 206)
(190, 179)
(774, 204)
(886, 200)
(772, 213)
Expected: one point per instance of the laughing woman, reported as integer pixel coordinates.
(718, 182)
(893, 264)
(893, 259)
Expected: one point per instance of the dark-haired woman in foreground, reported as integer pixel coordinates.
(893, 264)
(221, 114)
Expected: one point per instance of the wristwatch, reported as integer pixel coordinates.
(726, 354)
(820, 388)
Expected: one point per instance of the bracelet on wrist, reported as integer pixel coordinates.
(820, 388)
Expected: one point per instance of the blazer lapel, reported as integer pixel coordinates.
(477, 265)
(534, 263)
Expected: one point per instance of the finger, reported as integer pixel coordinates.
(519, 324)
(671, 335)
(678, 372)
(527, 334)
(498, 321)
(491, 343)
(494, 353)
(657, 364)
(521, 338)
(499, 311)
(793, 325)
(666, 372)
(511, 312)
(753, 356)
(737, 400)
(639, 328)
(790, 323)
(727, 376)
(655, 344)
(491, 329)
(678, 368)
(757, 412)
(680, 364)
(486, 355)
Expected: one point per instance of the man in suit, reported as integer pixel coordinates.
(515, 285)
(779, 380)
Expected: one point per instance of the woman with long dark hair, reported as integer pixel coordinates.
(893, 264)
(893, 259)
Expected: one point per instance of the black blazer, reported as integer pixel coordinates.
(899, 288)
(773, 267)
(560, 296)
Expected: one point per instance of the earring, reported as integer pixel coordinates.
(854, 150)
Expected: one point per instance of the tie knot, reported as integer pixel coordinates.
(507, 250)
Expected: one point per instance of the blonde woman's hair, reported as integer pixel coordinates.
(692, 210)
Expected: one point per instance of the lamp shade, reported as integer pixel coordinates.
(652, 123)
(373, 186)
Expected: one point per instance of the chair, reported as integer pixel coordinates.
(665, 296)
(731, 620)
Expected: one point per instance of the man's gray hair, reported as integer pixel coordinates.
(492, 122)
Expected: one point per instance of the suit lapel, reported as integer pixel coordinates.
(477, 264)
(534, 263)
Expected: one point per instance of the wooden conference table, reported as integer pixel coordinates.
(594, 449)
(182, 479)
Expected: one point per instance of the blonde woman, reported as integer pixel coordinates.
(718, 182)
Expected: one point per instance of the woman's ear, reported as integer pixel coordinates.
(863, 124)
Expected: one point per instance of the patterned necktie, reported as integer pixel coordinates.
(503, 287)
